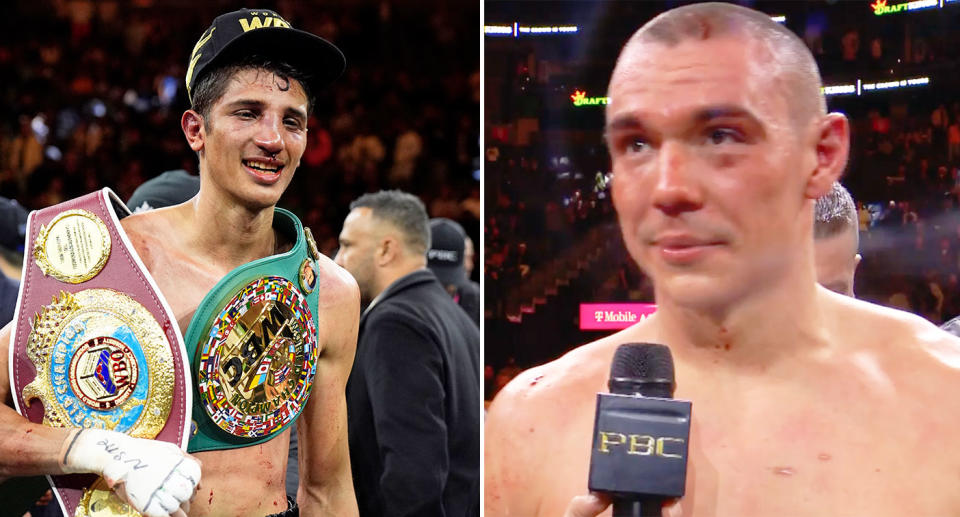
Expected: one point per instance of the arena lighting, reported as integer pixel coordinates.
(839, 89)
(498, 30)
(516, 30)
(579, 98)
(881, 7)
(893, 85)
(860, 87)
(553, 29)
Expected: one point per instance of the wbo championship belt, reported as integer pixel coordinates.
(253, 346)
(95, 345)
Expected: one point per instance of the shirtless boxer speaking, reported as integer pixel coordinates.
(805, 402)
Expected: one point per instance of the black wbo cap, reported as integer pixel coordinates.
(261, 31)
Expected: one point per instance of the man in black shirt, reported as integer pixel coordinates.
(413, 397)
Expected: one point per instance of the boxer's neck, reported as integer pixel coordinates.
(229, 233)
(767, 325)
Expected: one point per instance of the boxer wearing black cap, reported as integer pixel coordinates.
(251, 81)
(805, 402)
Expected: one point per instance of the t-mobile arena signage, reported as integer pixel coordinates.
(613, 316)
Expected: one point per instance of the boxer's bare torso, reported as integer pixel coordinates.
(857, 421)
(244, 481)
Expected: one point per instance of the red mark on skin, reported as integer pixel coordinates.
(275, 503)
(29, 431)
(784, 471)
(210, 501)
(536, 380)
(824, 456)
(726, 346)
(531, 429)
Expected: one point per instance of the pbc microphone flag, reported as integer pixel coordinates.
(640, 441)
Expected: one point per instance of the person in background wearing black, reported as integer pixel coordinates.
(446, 259)
(13, 220)
(413, 397)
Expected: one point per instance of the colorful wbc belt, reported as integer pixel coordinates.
(95, 345)
(253, 345)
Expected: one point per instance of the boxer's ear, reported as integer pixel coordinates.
(192, 124)
(832, 148)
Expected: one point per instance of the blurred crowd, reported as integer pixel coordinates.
(93, 92)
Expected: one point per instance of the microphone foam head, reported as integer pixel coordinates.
(644, 361)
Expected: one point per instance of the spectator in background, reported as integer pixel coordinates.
(469, 255)
(446, 258)
(836, 240)
(864, 217)
(13, 221)
(168, 189)
(413, 397)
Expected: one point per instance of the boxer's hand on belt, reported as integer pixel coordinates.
(156, 478)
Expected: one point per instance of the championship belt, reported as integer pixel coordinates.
(253, 345)
(95, 344)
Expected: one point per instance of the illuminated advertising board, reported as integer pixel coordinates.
(613, 316)
(579, 98)
(882, 7)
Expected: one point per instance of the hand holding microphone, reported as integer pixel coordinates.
(589, 505)
(641, 435)
(156, 478)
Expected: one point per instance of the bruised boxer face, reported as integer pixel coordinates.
(253, 138)
(713, 169)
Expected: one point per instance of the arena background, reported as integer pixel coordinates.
(92, 94)
(550, 231)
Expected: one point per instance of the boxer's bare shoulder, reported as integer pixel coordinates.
(904, 344)
(335, 283)
(538, 430)
(150, 233)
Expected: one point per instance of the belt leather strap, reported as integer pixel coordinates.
(95, 344)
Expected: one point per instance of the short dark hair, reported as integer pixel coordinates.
(212, 85)
(405, 211)
(834, 213)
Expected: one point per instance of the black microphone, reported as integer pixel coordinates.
(641, 434)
